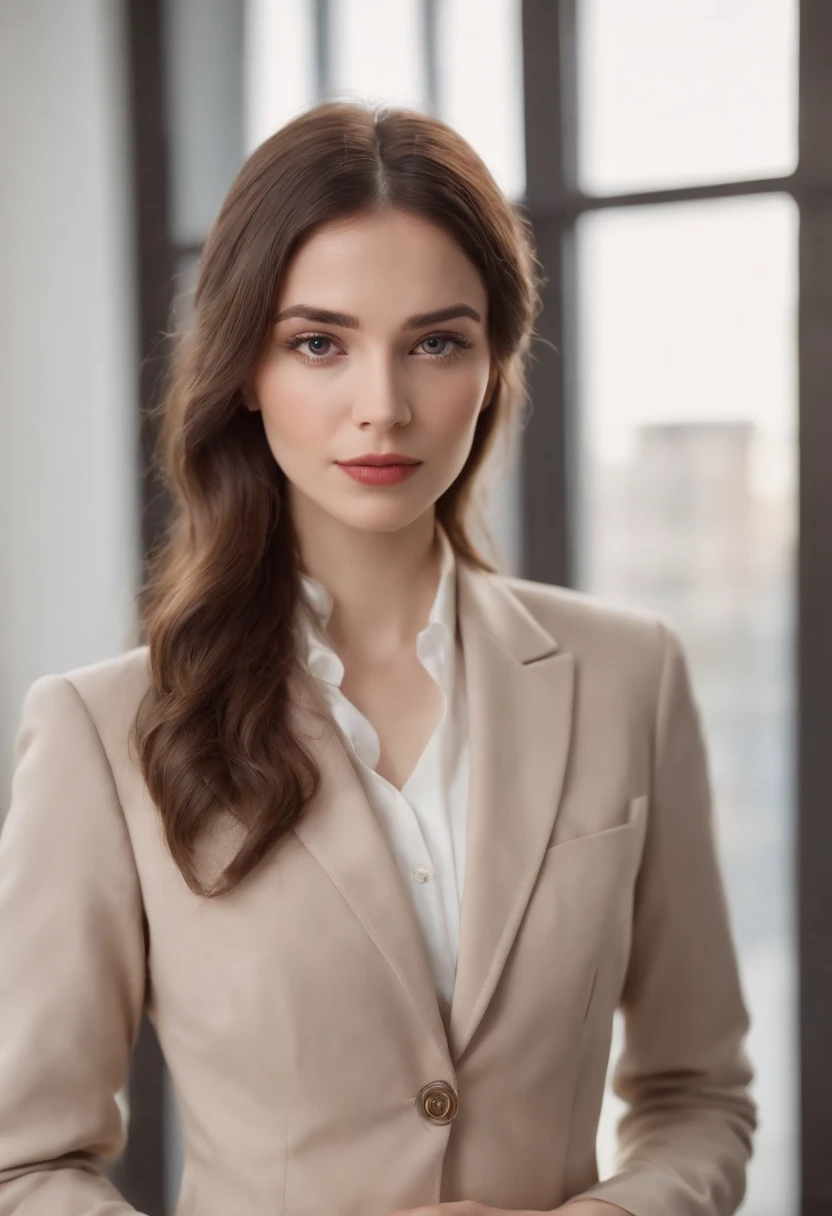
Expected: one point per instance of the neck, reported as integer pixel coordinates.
(382, 583)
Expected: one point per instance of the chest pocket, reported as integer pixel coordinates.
(585, 888)
(631, 824)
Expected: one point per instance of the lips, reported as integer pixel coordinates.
(380, 475)
(380, 459)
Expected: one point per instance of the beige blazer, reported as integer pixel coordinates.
(297, 1015)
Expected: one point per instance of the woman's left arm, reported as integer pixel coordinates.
(686, 1137)
(685, 1140)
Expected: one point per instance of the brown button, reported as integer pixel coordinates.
(438, 1102)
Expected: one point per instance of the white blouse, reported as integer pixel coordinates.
(425, 822)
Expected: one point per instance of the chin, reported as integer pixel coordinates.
(382, 516)
(387, 521)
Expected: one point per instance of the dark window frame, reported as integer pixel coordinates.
(554, 203)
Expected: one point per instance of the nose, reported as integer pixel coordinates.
(380, 399)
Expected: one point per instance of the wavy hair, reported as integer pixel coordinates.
(222, 589)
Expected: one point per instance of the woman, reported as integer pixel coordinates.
(259, 826)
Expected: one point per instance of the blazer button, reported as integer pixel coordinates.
(438, 1102)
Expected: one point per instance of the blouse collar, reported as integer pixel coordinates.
(437, 638)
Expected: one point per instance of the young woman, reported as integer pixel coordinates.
(379, 836)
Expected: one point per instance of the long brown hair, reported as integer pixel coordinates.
(222, 589)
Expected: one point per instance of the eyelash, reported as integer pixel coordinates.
(460, 342)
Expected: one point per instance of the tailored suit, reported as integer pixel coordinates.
(297, 1014)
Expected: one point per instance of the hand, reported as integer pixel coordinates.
(469, 1207)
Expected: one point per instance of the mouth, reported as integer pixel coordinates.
(380, 474)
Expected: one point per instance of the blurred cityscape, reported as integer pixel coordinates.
(682, 530)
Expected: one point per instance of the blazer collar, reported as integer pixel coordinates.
(519, 690)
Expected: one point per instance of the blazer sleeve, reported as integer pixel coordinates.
(72, 964)
(686, 1136)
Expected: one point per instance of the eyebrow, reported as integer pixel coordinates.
(326, 317)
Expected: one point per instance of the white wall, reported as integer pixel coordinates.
(69, 548)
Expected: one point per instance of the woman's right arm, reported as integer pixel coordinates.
(72, 964)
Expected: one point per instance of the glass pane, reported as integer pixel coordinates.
(480, 71)
(686, 505)
(693, 91)
(204, 66)
(279, 77)
(183, 287)
(378, 51)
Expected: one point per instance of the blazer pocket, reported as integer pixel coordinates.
(584, 897)
(630, 828)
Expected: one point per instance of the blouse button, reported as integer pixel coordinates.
(422, 875)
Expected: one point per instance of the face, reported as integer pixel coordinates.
(380, 376)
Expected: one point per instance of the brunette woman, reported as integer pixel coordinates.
(379, 836)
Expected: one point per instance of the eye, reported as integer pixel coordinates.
(315, 355)
(456, 341)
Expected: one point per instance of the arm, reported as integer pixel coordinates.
(686, 1138)
(72, 960)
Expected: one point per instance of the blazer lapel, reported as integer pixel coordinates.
(519, 693)
(340, 830)
(519, 690)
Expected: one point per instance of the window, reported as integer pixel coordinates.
(687, 414)
(662, 186)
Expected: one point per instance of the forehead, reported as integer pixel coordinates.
(390, 258)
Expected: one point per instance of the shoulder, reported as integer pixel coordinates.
(629, 644)
(579, 619)
(122, 677)
(109, 692)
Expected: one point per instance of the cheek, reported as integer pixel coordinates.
(294, 422)
(453, 413)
